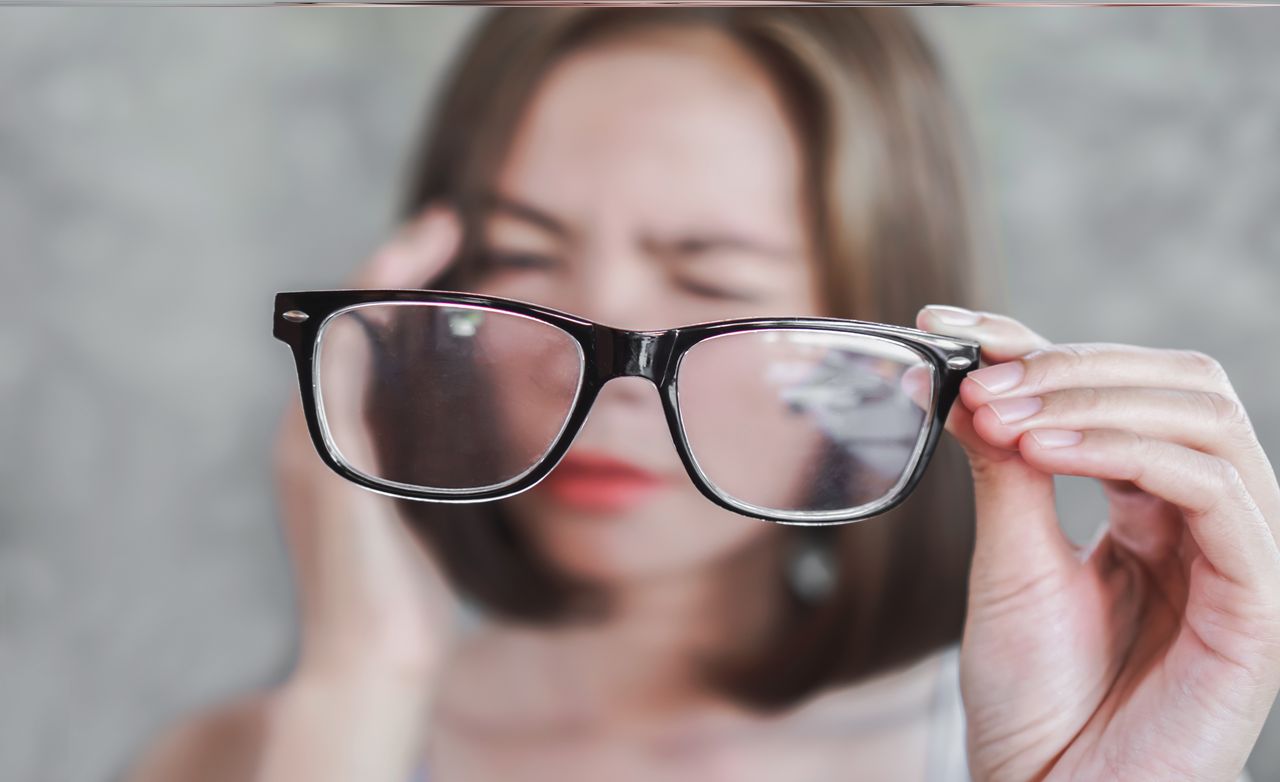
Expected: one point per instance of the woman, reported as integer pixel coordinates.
(655, 168)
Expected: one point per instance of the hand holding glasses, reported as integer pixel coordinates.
(462, 397)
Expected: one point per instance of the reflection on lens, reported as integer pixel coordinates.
(803, 420)
(444, 396)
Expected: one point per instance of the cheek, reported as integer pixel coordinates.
(532, 373)
(745, 437)
(677, 530)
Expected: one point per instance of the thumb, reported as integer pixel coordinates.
(416, 254)
(1018, 537)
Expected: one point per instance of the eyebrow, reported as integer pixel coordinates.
(497, 202)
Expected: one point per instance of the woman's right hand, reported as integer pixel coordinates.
(377, 614)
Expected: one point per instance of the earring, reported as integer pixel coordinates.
(812, 570)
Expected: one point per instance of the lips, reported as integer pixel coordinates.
(599, 483)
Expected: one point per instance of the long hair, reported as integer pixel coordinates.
(890, 192)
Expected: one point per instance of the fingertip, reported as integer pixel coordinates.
(1050, 449)
(437, 216)
(986, 424)
(418, 252)
(973, 395)
(922, 319)
(437, 237)
(944, 316)
(962, 425)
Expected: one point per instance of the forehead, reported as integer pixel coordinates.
(665, 122)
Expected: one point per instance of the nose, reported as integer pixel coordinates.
(615, 284)
(618, 289)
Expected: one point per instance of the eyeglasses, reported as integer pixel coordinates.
(462, 397)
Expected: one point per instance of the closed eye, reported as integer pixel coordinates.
(507, 259)
(714, 292)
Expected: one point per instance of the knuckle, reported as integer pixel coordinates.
(1064, 358)
(1227, 410)
(1206, 365)
(1086, 397)
(1235, 493)
(1144, 451)
(1074, 353)
(1149, 450)
(1226, 474)
(1217, 484)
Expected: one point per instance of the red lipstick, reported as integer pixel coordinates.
(599, 483)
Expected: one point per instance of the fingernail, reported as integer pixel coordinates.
(952, 316)
(1016, 409)
(1000, 377)
(1056, 438)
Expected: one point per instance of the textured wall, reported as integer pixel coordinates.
(164, 171)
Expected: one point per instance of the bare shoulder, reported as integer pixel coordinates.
(216, 744)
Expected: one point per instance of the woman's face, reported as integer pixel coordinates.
(654, 181)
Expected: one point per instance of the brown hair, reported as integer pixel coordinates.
(886, 157)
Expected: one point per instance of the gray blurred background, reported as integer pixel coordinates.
(164, 171)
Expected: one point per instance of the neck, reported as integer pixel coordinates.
(646, 661)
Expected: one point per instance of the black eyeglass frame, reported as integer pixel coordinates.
(300, 318)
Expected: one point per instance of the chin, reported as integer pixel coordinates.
(672, 533)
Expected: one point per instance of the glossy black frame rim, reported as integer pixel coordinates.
(608, 352)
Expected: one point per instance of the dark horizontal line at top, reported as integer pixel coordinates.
(650, 3)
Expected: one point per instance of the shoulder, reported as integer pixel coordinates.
(221, 742)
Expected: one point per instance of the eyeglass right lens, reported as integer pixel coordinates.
(804, 421)
(443, 396)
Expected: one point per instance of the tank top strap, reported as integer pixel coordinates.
(947, 760)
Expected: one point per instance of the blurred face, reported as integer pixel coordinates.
(654, 182)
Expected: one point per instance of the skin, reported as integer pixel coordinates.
(596, 154)
(615, 242)
(1154, 654)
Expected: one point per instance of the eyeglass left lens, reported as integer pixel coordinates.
(804, 421)
(443, 396)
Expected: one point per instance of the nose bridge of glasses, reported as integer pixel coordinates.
(634, 354)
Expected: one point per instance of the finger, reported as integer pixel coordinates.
(419, 250)
(1019, 542)
(1149, 526)
(1096, 365)
(916, 383)
(1002, 337)
(1204, 420)
(1225, 521)
(416, 254)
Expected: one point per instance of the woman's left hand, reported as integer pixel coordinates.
(1153, 653)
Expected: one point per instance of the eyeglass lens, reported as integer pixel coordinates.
(444, 397)
(800, 420)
